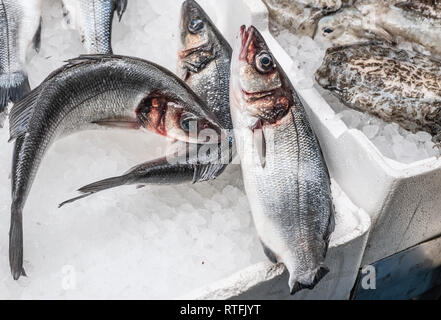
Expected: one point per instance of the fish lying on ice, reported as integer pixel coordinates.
(301, 16)
(93, 19)
(204, 64)
(417, 22)
(395, 85)
(349, 26)
(20, 27)
(93, 91)
(285, 174)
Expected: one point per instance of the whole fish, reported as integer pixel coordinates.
(417, 22)
(350, 26)
(89, 92)
(93, 19)
(20, 26)
(301, 16)
(204, 64)
(395, 85)
(285, 175)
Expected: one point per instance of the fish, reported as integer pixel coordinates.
(284, 171)
(350, 26)
(93, 19)
(20, 29)
(430, 9)
(204, 64)
(301, 16)
(395, 85)
(413, 22)
(90, 92)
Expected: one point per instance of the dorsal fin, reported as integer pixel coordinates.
(120, 7)
(36, 41)
(21, 113)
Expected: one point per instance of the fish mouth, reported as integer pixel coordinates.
(187, 52)
(247, 36)
(253, 96)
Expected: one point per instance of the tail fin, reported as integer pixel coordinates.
(13, 88)
(307, 280)
(16, 243)
(98, 187)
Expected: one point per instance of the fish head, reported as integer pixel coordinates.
(259, 87)
(199, 38)
(332, 67)
(331, 28)
(179, 117)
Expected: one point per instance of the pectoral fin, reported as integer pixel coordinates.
(259, 143)
(122, 123)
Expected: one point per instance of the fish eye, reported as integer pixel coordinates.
(186, 121)
(264, 62)
(328, 30)
(195, 25)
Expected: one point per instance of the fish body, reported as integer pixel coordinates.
(20, 26)
(93, 19)
(395, 85)
(285, 175)
(89, 92)
(204, 64)
(416, 22)
(301, 16)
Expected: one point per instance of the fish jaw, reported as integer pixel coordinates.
(263, 94)
(164, 116)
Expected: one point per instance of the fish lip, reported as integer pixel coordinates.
(187, 52)
(257, 95)
(246, 36)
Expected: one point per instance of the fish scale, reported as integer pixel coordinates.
(206, 69)
(286, 180)
(94, 19)
(405, 90)
(19, 27)
(75, 98)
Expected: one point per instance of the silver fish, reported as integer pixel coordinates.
(20, 27)
(395, 85)
(285, 174)
(89, 92)
(93, 19)
(204, 64)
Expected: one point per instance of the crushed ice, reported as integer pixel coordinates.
(390, 139)
(155, 242)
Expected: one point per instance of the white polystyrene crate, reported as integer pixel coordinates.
(403, 200)
(265, 280)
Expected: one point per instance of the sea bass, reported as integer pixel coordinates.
(285, 174)
(93, 19)
(20, 27)
(204, 64)
(89, 92)
(395, 85)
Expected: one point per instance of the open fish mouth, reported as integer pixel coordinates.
(246, 36)
(253, 96)
(206, 47)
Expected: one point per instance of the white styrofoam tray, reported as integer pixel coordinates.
(402, 199)
(265, 280)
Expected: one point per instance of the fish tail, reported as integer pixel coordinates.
(98, 187)
(16, 243)
(12, 88)
(307, 280)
